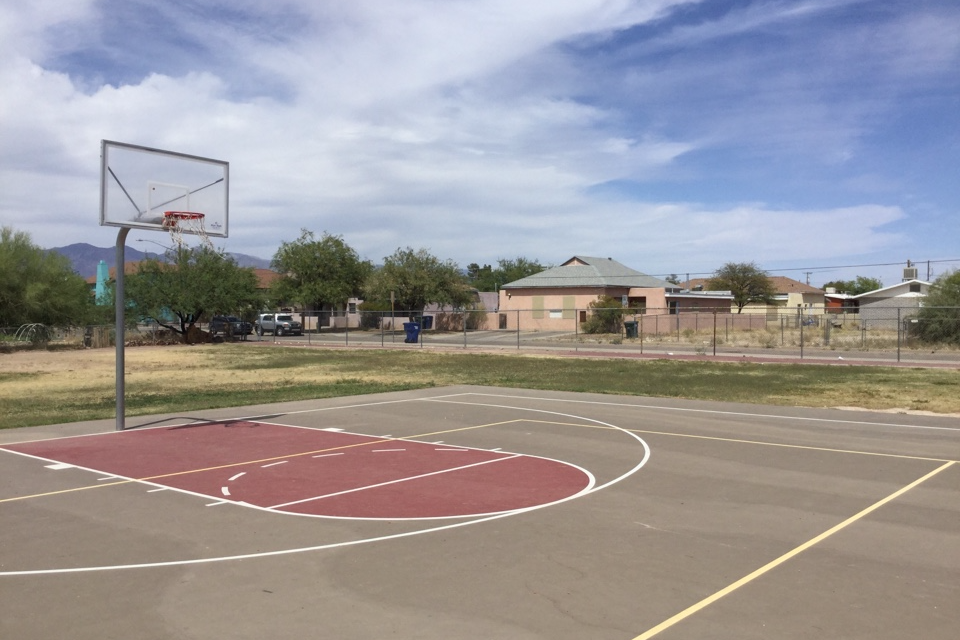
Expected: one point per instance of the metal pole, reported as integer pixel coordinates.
(898, 334)
(801, 337)
(714, 333)
(518, 329)
(464, 328)
(119, 296)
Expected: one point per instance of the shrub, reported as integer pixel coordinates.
(605, 316)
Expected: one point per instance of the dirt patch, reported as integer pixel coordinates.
(904, 411)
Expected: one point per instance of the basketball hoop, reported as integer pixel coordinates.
(178, 222)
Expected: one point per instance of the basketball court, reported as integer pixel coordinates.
(484, 513)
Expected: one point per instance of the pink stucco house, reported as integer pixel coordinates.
(557, 298)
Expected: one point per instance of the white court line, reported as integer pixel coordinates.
(232, 478)
(273, 464)
(450, 449)
(349, 543)
(59, 466)
(385, 450)
(225, 491)
(156, 490)
(327, 455)
(389, 482)
(707, 411)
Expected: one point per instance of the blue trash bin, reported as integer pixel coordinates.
(413, 331)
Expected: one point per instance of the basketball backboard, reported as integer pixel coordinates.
(139, 186)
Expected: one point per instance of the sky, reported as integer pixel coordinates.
(817, 139)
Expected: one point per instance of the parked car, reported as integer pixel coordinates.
(230, 326)
(278, 324)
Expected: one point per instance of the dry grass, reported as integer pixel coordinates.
(48, 387)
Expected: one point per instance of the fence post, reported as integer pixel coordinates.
(464, 328)
(641, 333)
(801, 340)
(898, 334)
(518, 329)
(714, 332)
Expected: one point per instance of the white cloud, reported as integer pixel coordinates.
(475, 129)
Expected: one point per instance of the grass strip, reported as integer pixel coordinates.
(235, 375)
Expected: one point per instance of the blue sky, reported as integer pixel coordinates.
(673, 136)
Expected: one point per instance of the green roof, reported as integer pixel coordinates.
(583, 271)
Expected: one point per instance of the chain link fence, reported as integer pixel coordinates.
(39, 336)
(897, 334)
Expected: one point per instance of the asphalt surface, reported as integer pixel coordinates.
(703, 520)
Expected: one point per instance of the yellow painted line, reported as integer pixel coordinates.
(793, 446)
(54, 493)
(774, 444)
(689, 611)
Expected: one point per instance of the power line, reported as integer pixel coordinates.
(814, 269)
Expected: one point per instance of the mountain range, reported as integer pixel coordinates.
(85, 257)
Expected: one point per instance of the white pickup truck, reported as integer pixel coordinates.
(278, 324)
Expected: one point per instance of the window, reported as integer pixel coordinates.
(568, 310)
(537, 307)
(914, 288)
(351, 307)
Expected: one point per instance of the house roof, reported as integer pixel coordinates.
(781, 284)
(266, 277)
(584, 271)
(888, 290)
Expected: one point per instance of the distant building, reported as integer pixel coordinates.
(882, 307)
(556, 298)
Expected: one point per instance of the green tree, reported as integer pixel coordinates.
(606, 313)
(417, 279)
(939, 318)
(316, 273)
(192, 284)
(37, 286)
(479, 277)
(855, 287)
(746, 281)
(486, 278)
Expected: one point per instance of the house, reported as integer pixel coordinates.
(883, 308)
(790, 295)
(557, 298)
(839, 302)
